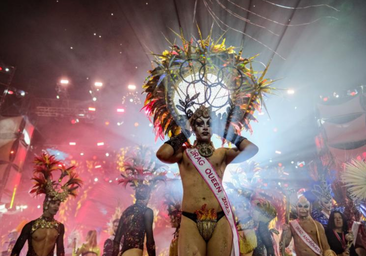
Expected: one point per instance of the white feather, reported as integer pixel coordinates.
(354, 178)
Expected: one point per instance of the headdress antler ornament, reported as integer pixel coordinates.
(45, 166)
(354, 178)
(207, 73)
(324, 190)
(140, 168)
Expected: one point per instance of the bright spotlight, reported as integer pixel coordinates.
(120, 110)
(96, 179)
(100, 144)
(290, 91)
(72, 143)
(98, 84)
(64, 81)
(131, 87)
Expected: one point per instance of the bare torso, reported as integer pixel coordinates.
(308, 225)
(196, 192)
(44, 240)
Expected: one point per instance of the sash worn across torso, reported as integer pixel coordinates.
(210, 176)
(305, 237)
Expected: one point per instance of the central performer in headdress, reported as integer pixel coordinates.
(204, 88)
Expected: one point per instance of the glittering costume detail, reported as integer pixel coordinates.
(85, 249)
(43, 223)
(206, 220)
(132, 231)
(30, 228)
(319, 216)
(205, 149)
(108, 247)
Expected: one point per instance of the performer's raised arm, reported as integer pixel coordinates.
(171, 151)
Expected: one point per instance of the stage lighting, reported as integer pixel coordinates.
(10, 92)
(290, 91)
(106, 154)
(96, 179)
(81, 154)
(92, 109)
(278, 152)
(94, 98)
(98, 166)
(131, 87)
(72, 143)
(57, 97)
(120, 110)
(100, 144)
(64, 81)
(98, 84)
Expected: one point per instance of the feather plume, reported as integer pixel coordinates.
(354, 178)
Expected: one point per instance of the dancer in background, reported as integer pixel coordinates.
(90, 247)
(46, 233)
(143, 173)
(108, 244)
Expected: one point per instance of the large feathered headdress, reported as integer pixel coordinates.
(323, 190)
(203, 72)
(354, 178)
(140, 169)
(45, 166)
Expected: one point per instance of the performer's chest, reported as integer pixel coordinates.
(45, 234)
(216, 161)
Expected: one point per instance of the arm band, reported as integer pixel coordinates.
(177, 141)
(236, 139)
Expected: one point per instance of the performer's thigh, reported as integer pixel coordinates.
(190, 242)
(222, 239)
(133, 252)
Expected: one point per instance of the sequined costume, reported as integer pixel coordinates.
(132, 229)
(108, 247)
(29, 230)
(321, 217)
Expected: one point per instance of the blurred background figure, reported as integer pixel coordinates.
(90, 247)
(339, 239)
(108, 244)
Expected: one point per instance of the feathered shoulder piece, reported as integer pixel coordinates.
(45, 166)
(265, 207)
(173, 204)
(203, 72)
(140, 167)
(354, 178)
